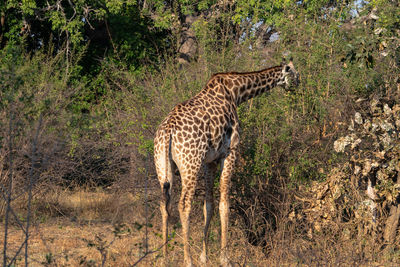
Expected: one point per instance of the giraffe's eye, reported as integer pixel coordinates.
(287, 68)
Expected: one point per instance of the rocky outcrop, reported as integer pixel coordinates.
(365, 191)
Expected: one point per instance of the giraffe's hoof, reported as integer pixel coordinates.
(203, 259)
(165, 263)
(188, 263)
(225, 262)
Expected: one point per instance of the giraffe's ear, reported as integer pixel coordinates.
(286, 57)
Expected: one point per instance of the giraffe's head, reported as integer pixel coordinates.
(290, 77)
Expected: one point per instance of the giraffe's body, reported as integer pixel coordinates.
(202, 133)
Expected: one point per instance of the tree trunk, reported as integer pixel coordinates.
(392, 222)
(188, 42)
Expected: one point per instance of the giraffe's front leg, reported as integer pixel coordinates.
(209, 176)
(226, 175)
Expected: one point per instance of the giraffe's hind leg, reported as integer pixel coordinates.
(165, 173)
(164, 207)
(209, 176)
(189, 180)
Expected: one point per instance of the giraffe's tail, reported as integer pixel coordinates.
(167, 196)
(168, 181)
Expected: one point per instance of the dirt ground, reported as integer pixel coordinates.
(91, 228)
(70, 244)
(63, 243)
(82, 228)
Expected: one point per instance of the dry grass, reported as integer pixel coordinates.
(73, 228)
(84, 228)
(60, 243)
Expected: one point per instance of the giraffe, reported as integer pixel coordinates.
(201, 133)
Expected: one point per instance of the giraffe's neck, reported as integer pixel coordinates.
(249, 85)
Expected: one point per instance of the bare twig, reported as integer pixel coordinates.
(4, 195)
(10, 177)
(17, 253)
(148, 253)
(146, 245)
(31, 182)
(109, 35)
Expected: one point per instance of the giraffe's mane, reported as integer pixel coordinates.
(245, 73)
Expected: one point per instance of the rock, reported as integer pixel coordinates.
(374, 127)
(386, 126)
(374, 105)
(367, 125)
(367, 167)
(387, 110)
(366, 183)
(351, 126)
(355, 143)
(357, 118)
(357, 169)
(386, 139)
(340, 144)
(397, 123)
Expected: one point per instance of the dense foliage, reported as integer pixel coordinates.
(95, 78)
